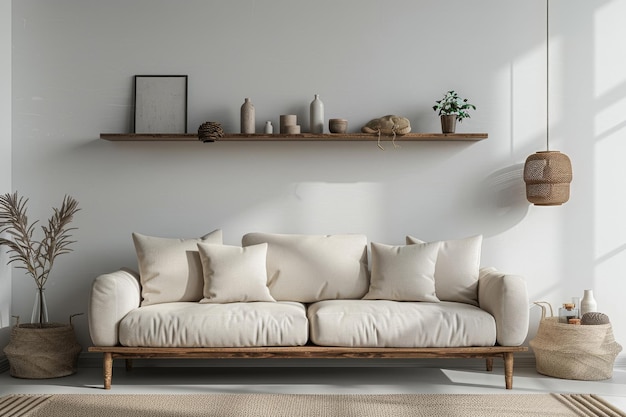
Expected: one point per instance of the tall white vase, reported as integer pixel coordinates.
(247, 117)
(317, 115)
(588, 304)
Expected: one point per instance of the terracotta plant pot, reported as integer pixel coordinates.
(448, 123)
(50, 351)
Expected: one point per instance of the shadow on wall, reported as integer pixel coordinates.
(5, 333)
(5, 299)
(501, 200)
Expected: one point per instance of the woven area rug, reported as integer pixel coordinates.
(294, 405)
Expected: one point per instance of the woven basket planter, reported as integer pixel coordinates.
(37, 352)
(569, 351)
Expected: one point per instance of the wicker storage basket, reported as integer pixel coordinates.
(37, 352)
(569, 351)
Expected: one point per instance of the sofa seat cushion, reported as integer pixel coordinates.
(185, 324)
(383, 323)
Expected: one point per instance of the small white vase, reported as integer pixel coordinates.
(588, 304)
(269, 129)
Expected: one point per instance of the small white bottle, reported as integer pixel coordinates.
(269, 129)
(576, 302)
(317, 116)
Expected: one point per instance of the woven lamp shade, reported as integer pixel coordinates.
(547, 175)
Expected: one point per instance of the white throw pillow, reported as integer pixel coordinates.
(456, 273)
(170, 269)
(233, 274)
(403, 273)
(310, 268)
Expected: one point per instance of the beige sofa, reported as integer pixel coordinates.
(307, 296)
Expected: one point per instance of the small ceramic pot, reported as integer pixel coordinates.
(448, 123)
(287, 120)
(291, 130)
(338, 125)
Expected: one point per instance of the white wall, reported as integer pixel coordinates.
(74, 62)
(5, 160)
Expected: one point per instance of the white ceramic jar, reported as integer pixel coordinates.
(588, 304)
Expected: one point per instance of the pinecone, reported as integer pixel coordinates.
(210, 132)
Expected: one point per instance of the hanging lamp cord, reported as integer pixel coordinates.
(547, 75)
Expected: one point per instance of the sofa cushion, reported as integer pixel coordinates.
(383, 323)
(234, 274)
(403, 273)
(309, 268)
(456, 272)
(215, 325)
(170, 269)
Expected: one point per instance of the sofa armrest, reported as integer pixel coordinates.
(505, 297)
(112, 297)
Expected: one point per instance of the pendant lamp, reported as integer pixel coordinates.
(547, 174)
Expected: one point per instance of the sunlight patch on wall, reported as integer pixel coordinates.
(610, 120)
(327, 206)
(317, 208)
(609, 129)
(610, 63)
(610, 204)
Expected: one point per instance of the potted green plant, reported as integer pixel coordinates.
(452, 108)
(38, 349)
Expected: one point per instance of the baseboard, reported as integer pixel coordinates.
(522, 360)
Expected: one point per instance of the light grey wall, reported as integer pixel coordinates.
(5, 160)
(74, 62)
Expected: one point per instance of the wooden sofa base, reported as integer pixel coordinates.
(309, 351)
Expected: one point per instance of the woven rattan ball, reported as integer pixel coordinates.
(594, 318)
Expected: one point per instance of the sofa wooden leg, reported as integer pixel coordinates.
(129, 365)
(489, 364)
(508, 370)
(107, 369)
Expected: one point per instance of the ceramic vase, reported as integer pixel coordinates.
(247, 117)
(269, 129)
(40, 307)
(588, 304)
(317, 115)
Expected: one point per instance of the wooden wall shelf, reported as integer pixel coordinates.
(302, 137)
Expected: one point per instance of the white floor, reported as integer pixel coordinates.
(312, 380)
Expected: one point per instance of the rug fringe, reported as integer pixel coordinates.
(590, 405)
(20, 405)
